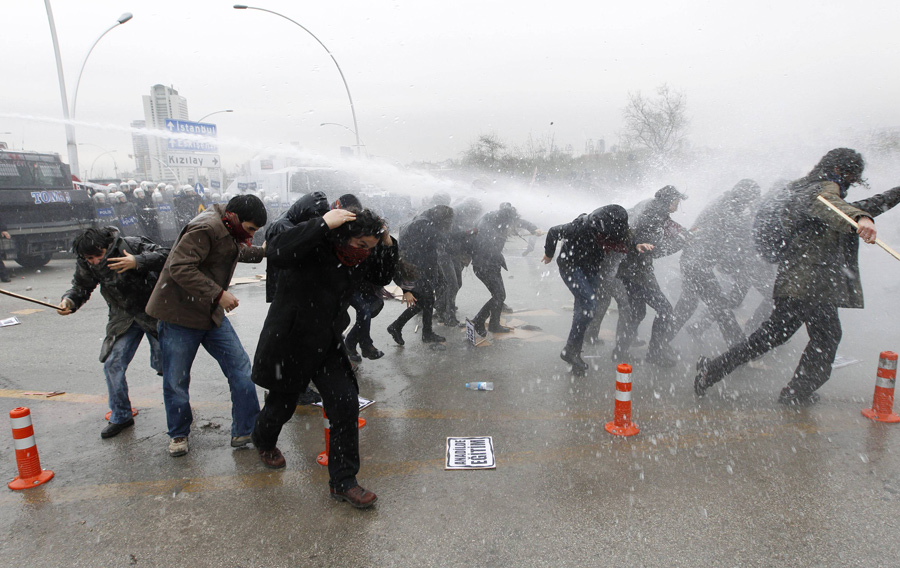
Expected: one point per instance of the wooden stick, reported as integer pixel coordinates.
(847, 218)
(27, 299)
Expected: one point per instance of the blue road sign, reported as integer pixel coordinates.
(200, 136)
(199, 188)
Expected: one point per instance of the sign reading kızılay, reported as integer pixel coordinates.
(470, 453)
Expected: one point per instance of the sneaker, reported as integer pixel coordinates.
(497, 328)
(353, 355)
(579, 367)
(701, 380)
(395, 333)
(112, 429)
(792, 397)
(272, 459)
(240, 441)
(356, 496)
(432, 337)
(372, 352)
(309, 397)
(178, 446)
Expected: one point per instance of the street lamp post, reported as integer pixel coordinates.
(115, 163)
(121, 20)
(346, 87)
(344, 126)
(212, 113)
(71, 145)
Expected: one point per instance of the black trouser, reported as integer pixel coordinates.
(451, 279)
(490, 276)
(823, 326)
(642, 292)
(368, 305)
(701, 284)
(3, 272)
(340, 396)
(424, 294)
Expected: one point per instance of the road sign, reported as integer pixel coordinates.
(200, 136)
(198, 187)
(193, 160)
(215, 184)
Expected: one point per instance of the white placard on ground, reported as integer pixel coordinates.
(363, 403)
(470, 453)
(9, 321)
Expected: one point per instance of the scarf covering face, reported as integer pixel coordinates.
(236, 229)
(350, 255)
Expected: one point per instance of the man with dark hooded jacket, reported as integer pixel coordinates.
(651, 225)
(818, 274)
(586, 241)
(311, 205)
(716, 239)
(487, 260)
(423, 241)
(126, 269)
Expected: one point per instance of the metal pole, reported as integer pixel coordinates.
(346, 87)
(70, 130)
(122, 19)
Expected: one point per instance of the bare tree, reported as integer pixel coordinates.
(658, 124)
(484, 151)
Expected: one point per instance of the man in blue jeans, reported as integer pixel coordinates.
(126, 269)
(190, 301)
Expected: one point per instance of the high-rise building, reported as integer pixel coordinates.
(162, 103)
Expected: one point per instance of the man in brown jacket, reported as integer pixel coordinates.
(190, 300)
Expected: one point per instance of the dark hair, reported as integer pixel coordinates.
(366, 224)
(92, 242)
(846, 160)
(347, 201)
(248, 208)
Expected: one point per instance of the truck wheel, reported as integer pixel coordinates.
(34, 260)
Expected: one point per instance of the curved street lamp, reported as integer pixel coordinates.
(121, 20)
(115, 163)
(346, 87)
(212, 113)
(71, 145)
(344, 126)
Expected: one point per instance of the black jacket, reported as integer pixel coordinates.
(424, 240)
(585, 237)
(493, 230)
(308, 315)
(651, 224)
(311, 205)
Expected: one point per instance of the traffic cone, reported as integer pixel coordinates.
(883, 403)
(322, 458)
(27, 459)
(622, 424)
(134, 412)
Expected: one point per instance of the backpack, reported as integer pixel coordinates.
(782, 215)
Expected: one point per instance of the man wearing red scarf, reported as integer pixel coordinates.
(190, 300)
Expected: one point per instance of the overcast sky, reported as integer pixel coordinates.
(428, 77)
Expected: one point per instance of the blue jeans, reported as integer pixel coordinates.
(179, 347)
(581, 285)
(117, 363)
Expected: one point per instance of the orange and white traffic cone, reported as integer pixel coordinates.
(134, 412)
(322, 458)
(883, 403)
(622, 424)
(27, 459)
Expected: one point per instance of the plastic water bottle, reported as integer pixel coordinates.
(480, 386)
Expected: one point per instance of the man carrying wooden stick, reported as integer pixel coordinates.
(818, 273)
(126, 269)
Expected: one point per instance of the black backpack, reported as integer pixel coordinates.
(782, 215)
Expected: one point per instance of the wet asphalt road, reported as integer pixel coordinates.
(733, 479)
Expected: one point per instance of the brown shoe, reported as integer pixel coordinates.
(356, 496)
(273, 459)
